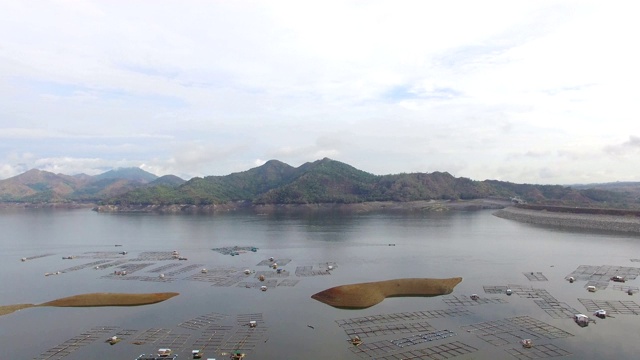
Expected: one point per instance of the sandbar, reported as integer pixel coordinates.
(110, 299)
(97, 299)
(364, 295)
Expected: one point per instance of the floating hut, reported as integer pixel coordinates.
(581, 319)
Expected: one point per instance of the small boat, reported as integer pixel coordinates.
(164, 352)
(263, 288)
(196, 354)
(247, 271)
(275, 265)
(618, 279)
(630, 292)
(271, 259)
(509, 292)
(253, 323)
(154, 357)
(23, 259)
(261, 277)
(581, 319)
(474, 297)
(571, 279)
(330, 267)
(355, 341)
(237, 355)
(591, 288)
(113, 340)
(600, 313)
(204, 271)
(526, 343)
(161, 276)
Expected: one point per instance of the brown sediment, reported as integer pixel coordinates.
(97, 299)
(364, 295)
(110, 299)
(8, 309)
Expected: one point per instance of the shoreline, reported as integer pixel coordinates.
(615, 223)
(265, 209)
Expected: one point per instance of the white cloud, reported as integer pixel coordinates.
(524, 92)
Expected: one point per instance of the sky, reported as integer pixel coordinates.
(542, 92)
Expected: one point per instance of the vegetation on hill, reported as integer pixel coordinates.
(329, 181)
(322, 181)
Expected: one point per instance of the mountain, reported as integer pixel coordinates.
(132, 173)
(330, 181)
(321, 181)
(168, 180)
(43, 186)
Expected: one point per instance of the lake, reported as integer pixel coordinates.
(213, 308)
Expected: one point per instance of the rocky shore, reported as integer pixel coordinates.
(626, 224)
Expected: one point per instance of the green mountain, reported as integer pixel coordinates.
(322, 181)
(330, 181)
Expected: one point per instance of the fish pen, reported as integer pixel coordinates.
(269, 262)
(540, 351)
(84, 266)
(183, 270)
(389, 329)
(388, 351)
(501, 332)
(288, 282)
(603, 273)
(211, 340)
(303, 271)
(155, 256)
(627, 289)
(535, 276)
(271, 283)
(75, 343)
(611, 306)
(163, 268)
(202, 321)
(400, 317)
(555, 309)
(468, 301)
(151, 336)
(37, 256)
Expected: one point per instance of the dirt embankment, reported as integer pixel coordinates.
(594, 220)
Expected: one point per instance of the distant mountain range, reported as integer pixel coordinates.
(322, 181)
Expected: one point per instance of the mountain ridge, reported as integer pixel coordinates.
(323, 181)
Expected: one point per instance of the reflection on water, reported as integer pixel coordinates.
(486, 251)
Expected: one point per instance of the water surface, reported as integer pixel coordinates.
(479, 247)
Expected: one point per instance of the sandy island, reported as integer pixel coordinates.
(97, 299)
(364, 295)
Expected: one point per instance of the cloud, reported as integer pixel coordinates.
(628, 147)
(206, 88)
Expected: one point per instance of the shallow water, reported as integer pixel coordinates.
(481, 248)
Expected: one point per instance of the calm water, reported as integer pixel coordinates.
(481, 248)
